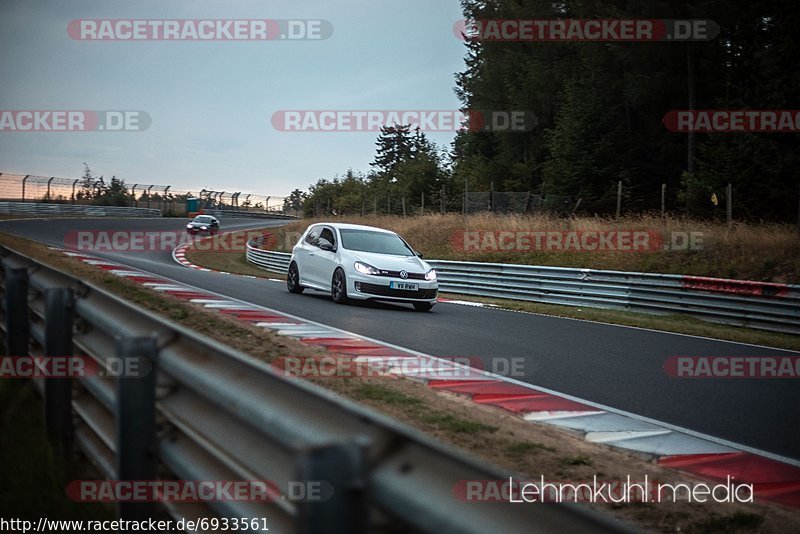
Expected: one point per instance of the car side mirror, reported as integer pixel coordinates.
(419, 254)
(324, 244)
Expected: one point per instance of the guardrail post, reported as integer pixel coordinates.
(341, 468)
(18, 328)
(136, 420)
(59, 312)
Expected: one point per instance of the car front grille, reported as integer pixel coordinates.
(386, 291)
(396, 274)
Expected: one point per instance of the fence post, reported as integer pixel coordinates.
(443, 201)
(136, 419)
(340, 469)
(729, 204)
(403, 200)
(59, 310)
(466, 194)
(17, 323)
(619, 198)
(663, 199)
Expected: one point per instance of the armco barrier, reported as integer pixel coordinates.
(239, 214)
(765, 306)
(223, 416)
(40, 209)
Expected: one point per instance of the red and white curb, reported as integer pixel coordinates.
(774, 478)
(179, 255)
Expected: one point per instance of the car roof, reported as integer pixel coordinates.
(347, 226)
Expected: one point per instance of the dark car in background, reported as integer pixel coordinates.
(203, 223)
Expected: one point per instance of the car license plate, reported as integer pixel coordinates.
(403, 285)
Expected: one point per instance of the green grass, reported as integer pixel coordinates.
(574, 460)
(35, 473)
(229, 262)
(377, 393)
(521, 448)
(450, 423)
(441, 421)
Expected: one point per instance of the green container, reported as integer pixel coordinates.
(192, 205)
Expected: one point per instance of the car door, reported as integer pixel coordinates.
(324, 261)
(304, 254)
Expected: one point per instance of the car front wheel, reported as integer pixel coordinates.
(293, 279)
(339, 287)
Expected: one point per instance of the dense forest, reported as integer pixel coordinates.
(600, 108)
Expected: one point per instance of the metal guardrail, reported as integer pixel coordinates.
(277, 262)
(208, 412)
(42, 209)
(235, 213)
(764, 306)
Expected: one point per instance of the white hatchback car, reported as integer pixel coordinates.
(357, 262)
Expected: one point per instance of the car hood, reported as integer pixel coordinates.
(391, 262)
(199, 224)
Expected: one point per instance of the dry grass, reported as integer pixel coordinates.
(764, 252)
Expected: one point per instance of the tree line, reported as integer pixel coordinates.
(95, 190)
(599, 108)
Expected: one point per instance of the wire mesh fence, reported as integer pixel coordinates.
(90, 190)
(439, 201)
(239, 201)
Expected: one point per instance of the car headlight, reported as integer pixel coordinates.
(363, 268)
(430, 275)
(204, 227)
(189, 225)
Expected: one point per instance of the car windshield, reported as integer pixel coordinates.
(377, 242)
(202, 219)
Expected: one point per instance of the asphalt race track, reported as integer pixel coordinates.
(616, 366)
